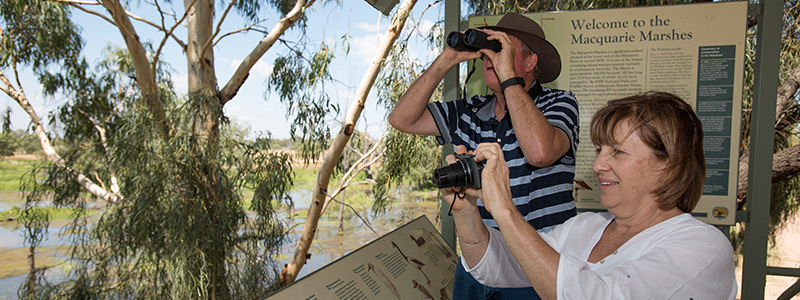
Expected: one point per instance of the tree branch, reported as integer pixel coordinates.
(145, 77)
(47, 147)
(168, 34)
(785, 165)
(91, 12)
(74, 2)
(247, 28)
(358, 215)
(786, 93)
(148, 22)
(240, 75)
(334, 151)
(356, 167)
(210, 40)
(104, 141)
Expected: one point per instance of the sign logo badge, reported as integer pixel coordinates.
(720, 212)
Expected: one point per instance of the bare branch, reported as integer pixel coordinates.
(416, 25)
(91, 12)
(169, 33)
(358, 215)
(7, 87)
(16, 75)
(216, 31)
(356, 167)
(248, 28)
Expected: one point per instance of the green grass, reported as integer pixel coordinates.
(11, 170)
(56, 213)
(304, 177)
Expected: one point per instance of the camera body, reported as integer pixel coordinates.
(465, 172)
(472, 40)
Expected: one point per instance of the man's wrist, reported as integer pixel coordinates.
(511, 81)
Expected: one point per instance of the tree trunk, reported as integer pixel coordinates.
(290, 271)
(786, 163)
(204, 96)
(32, 268)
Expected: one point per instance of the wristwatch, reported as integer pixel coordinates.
(511, 81)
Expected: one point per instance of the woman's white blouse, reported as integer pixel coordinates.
(680, 258)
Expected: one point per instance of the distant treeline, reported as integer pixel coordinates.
(18, 141)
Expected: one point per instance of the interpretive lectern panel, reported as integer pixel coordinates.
(411, 262)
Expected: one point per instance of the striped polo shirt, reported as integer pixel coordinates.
(542, 195)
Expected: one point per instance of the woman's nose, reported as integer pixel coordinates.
(600, 162)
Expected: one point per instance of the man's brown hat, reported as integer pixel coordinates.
(530, 33)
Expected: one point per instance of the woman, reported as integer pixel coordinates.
(651, 169)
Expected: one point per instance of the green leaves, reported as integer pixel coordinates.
(37, 33)
(300, 85)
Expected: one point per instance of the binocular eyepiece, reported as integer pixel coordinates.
(471, 40)
(464, 172)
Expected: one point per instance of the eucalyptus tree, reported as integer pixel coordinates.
(177, 225)
(321, 197)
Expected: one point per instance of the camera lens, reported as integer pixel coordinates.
(464, 172)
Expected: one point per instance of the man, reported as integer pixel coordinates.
(537, 128)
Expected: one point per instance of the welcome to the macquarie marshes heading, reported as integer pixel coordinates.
(645, 35)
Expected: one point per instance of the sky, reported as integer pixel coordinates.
(251, 107)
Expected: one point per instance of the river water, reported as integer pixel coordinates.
(328, 244)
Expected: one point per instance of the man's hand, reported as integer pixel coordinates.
(456, 56)
(503, 61)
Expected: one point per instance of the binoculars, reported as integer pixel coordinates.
(471, 40)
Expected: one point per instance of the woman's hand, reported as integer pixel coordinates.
(467, 198)
(495, 186)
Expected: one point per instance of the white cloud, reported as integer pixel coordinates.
(365, 46)
(425, 27)
(180, 82)
(260, 68)
(368, 27)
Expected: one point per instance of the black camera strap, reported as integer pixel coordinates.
(455, 194)
(466, 81)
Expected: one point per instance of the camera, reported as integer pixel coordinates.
(464, 172)
(471, 40)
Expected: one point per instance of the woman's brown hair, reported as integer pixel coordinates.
(669, 126)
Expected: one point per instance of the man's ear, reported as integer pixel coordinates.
(530, 62)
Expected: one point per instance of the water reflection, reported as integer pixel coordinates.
(328, 244)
